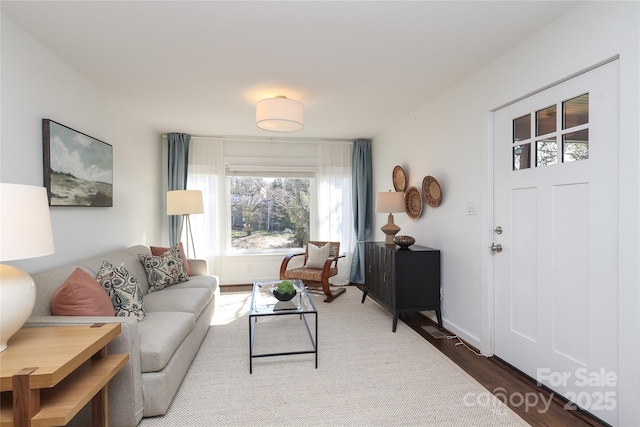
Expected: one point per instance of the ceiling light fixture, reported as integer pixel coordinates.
(280, 114)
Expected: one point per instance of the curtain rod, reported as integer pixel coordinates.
(267, 139)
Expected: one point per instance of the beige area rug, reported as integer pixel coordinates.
(366, 376)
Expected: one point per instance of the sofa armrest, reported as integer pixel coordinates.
(126, 387)
(199, 267)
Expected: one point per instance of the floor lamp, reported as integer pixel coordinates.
(390, 202)
(25, 232)
(185, 203)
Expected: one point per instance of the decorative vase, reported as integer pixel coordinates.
(18, 293)
(283, 297)
(404, 241)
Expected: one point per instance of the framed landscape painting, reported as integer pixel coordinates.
(78, 169)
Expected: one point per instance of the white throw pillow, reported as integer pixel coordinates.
(317, 255)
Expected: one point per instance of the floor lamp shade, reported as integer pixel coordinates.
(185, 203)
(25, 232)
(280, 114)
(390, 202)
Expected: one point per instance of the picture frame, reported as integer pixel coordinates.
(78, 169)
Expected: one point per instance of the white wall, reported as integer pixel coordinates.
(37, 84)
(449, 139)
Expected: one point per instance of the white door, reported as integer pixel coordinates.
(556, 200)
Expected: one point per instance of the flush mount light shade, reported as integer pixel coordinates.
(280, 114)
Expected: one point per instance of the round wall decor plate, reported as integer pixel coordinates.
(413, 202)
(399, 179)
(431, 191)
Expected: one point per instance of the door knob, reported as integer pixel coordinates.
(498, 230)
(496, 248)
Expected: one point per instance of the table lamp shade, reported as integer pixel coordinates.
(184, 202)
(390, 202)
(25, 232)
(25, 224)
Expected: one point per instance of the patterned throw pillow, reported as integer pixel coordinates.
(164, 270)
(123, 289)
(158, 250)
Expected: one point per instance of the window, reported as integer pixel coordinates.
(269, 213)
(286, 191)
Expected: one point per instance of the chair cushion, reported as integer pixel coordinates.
(308, 274)
(81, 295)
(317, 255)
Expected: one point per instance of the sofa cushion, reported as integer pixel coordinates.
(207, 282)
(160, 335)
(157, 250)
(164, 270)
(81, 295)
(185, 300)
(123, 289)
(128, 257)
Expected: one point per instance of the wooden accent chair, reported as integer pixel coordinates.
(317, 274)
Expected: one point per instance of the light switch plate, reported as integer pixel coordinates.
(471, 208)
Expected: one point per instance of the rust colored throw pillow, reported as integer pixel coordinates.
(81, 295)
(157, 250)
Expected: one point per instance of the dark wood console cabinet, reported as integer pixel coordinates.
(403, 280)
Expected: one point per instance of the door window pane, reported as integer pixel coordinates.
(546, 152)
(575, 111)
(575, 146)
(556, 142)
(522, 157)
(546, 120)
(522, 128)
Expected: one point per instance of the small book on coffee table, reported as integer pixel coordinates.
(285, 305)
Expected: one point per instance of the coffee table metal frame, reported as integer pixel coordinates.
(263, 303)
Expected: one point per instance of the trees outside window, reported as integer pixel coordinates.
(269, 212)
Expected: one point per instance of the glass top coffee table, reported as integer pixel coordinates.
(263, 303)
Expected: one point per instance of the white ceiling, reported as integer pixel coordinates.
(199, 67)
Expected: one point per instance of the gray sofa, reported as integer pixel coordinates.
(160, 348)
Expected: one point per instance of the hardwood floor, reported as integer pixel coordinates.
(506, 382)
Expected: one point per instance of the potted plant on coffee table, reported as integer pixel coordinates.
(285, 291)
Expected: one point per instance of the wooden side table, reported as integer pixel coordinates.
(50, 374)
